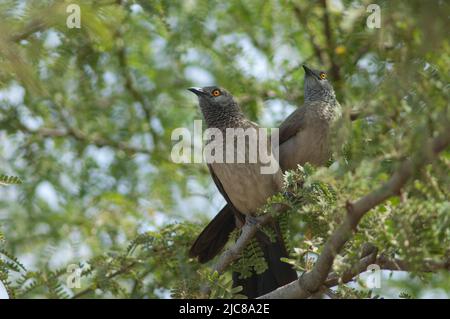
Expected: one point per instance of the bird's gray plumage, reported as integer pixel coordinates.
(304, 137)
(242, 183)
(305, 134)
(245, 189)
(317, 88)
(219, 111)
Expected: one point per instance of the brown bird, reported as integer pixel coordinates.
(244, 186)
(304, 137)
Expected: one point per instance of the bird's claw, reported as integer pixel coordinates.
(289, 195)
(251, 220)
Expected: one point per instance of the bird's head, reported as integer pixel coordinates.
(317, 86)
(213, 99)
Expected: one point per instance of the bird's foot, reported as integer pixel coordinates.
(289, 195)
(251, 220)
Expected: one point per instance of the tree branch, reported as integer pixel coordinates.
(396, 264)
(119, 272)
(31, 28)
(130, 83)
(310, 282)
(316, 47)
(367, 258)
(335, 70)
(80, 136)
(385, 263)
(248, 230)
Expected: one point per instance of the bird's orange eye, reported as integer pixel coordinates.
(216, 92)
(323, 75)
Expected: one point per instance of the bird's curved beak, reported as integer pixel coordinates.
(308, 71)
(197, 91)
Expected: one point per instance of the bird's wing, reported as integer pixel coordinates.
(292, 124)
(222, 191)
(218, 184)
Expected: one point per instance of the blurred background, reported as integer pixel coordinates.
(86, 116)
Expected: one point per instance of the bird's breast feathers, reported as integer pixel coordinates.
(246, 187)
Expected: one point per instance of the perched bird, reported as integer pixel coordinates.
(304, 137)
(244, 187)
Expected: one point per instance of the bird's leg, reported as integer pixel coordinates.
(251, 220)
(289, 195)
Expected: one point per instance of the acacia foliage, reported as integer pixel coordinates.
(87, 114)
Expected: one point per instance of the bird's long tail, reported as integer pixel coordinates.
(277, 274)
(215, 235)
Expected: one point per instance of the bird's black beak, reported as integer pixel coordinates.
(308, 71)
(197, 91)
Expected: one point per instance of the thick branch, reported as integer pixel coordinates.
(310, 282)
